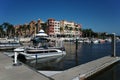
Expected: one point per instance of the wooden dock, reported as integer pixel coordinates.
(22, 72)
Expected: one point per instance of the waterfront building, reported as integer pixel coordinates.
(53, 27)
(70, 28)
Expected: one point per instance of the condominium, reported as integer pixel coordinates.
(70, 28)
(63, 28)
(53, 27)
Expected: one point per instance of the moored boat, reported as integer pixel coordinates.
(6, 45)
(42, 55)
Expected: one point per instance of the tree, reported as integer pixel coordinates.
(44, 27)
(25, 29)
(5, 26)
(61, 29)
(76, 29)
(28, 28)
(87, 32)
(66, 27)
(9, 29)
(1, 31)
(70, 28)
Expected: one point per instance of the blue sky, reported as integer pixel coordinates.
(99, 15)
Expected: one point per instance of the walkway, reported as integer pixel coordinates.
(86, 70)
(22, 72)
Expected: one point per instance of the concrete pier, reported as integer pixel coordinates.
(23, 72)
(86, 70)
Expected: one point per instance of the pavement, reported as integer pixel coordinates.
(21, 72)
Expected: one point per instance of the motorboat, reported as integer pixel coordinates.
(41, 55)
(42, 50)
(6, 45)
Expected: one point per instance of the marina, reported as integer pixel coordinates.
(65, 40)
(91, 59)
(6, 44)
(23, 72)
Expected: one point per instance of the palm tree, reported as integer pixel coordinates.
(5, 26)
(70, 28)
(18, 32)
(25, 29)
(28, 28)
(21, 30)
(61, 29)
(44, 27)
(76, 29)
(87, 32)
(1, 31)
(66, 27)
(9, 29)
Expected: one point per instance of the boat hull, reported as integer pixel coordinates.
(8, 47)
(47, 55)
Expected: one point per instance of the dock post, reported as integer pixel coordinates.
(113, 45)
(76, 54)
(76, 44)
(15, 60)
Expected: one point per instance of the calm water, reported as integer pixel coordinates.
(85, 53)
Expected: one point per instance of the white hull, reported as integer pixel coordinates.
(46, 55)
(9, 46)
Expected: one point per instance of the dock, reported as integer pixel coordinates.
(81, 72)
(21, 72)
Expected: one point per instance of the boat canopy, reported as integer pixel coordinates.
(41, 33)
(39, 39)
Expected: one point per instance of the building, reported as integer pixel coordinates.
(70, 28)
(57, 27)
(53, 27)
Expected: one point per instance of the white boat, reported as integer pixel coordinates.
(9, 45)
(42, 55)
(95, 41)
(108, 40)
(41, 51)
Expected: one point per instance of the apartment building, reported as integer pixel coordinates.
(70, 28)
(53, 27)
(57, 27)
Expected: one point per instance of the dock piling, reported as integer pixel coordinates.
(113, 45)
(16, 60)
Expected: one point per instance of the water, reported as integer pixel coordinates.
(85, 53)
